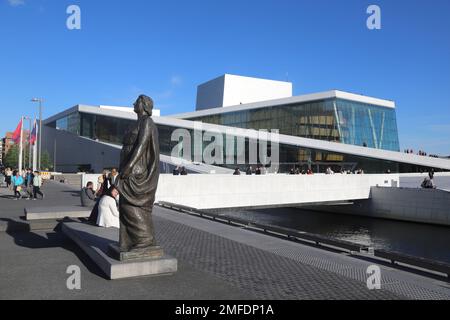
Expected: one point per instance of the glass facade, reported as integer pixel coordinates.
(334, 120)
(294, 157)
(96, 127)
(70, 123)
(105, 129)
(111, 130)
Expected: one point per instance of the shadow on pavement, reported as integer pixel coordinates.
(4, 196)
(73, 193)
(55, 239)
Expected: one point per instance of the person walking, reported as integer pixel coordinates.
(17, 182)
(37, 184)
(2, 178)
(8, 177)
(29, 183)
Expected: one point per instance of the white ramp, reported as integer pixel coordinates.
(212, 191)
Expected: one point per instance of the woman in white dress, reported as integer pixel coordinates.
(108, 213)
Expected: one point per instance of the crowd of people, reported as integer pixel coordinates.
(328, 171)
(421, 153)
(260, 170)
(104, 200)
(26, 185)
(179, 171)
(428, 182)
(297, 171)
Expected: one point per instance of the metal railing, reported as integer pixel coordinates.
(427, 264)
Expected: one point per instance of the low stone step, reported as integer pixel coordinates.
(20, 225)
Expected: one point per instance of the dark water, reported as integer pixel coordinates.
(427, 241)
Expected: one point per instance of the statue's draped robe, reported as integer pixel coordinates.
(140, 155)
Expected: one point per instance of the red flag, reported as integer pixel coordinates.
(33, 137)
(16, 134)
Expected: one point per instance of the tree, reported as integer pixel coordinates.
(12, 157)
(46, 162)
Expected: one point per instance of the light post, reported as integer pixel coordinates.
(40, 129)
(29, 141)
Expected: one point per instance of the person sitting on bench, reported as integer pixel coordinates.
(88, 196)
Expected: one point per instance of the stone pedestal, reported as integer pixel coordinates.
(142, 254)
(101, 245)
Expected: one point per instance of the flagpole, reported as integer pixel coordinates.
(21, 147)
(29, 142)
(24, 150)
(35, 148)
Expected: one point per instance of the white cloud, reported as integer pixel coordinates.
(176, 80)
(16, 3)
(163, 95)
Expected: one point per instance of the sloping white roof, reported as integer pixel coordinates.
(291, 100)
(116, 112)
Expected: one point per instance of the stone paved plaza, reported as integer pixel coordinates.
(216, 261)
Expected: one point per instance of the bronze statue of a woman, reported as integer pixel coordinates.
(138, 181)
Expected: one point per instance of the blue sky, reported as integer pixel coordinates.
(166, 48)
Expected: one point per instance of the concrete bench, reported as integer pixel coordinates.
(46, 213)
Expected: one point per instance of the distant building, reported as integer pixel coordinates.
(7, 143)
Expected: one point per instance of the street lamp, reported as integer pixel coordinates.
(29, 141)
(40, 129)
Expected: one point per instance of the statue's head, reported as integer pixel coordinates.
(143, 105)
